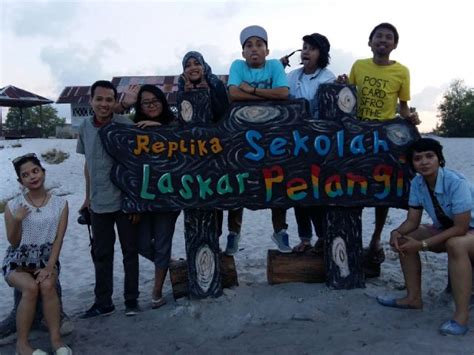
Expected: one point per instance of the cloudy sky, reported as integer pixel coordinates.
(48, 44)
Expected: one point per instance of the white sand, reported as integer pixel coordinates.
(254, 317)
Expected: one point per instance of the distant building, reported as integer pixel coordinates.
(78, 96)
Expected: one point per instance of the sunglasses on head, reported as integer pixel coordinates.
(23, 157)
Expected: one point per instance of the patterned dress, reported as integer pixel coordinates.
(39, 230)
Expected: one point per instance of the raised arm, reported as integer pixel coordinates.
(13, 224)
(129, 99)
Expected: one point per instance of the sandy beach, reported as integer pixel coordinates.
(254, 317)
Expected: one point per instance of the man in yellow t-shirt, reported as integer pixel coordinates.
(381, 83)
(379, 87)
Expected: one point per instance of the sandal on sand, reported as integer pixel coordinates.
(302, 247)
(451, 327)
(157, 303)
(392, 302)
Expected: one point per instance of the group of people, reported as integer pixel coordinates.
(32, 261)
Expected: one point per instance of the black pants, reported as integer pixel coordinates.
(234, 220)
(103, 247)
(307, 215)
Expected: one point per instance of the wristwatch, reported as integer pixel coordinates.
(424, 245)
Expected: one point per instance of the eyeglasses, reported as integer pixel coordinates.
(152, 103)
(23, 157)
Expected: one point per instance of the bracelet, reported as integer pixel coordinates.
(123, 106)
(424, 245)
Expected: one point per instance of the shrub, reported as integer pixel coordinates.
(55, 156)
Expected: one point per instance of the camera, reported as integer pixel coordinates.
(84, 216)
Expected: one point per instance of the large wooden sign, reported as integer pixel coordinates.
(265, 154)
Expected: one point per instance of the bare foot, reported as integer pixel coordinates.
(23, 349)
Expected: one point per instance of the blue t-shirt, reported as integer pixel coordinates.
(453, 191)
(270, 76)
(306, 86)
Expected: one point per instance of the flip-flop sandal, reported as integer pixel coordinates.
(157, 303)
(392, 302)
(451, 327)
(302, 247)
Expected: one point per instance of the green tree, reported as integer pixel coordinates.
(44, 117)
(457, 111)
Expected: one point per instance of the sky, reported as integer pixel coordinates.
(46, 45)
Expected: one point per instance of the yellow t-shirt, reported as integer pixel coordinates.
(379, 87)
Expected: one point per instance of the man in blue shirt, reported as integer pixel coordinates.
(252, 79)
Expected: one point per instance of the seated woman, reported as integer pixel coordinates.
(448, 198)
(152, 109)
(36, 222)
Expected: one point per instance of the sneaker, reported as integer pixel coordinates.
(132, 308)
(96, 311)
(281, 240)
(232, 246)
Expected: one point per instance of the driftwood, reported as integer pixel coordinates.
(295, 267)
(179, 275)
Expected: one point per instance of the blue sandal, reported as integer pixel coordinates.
(392, 302)
(451, 327)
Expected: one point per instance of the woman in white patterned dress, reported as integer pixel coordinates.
(36, 222)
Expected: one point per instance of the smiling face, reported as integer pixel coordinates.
(102, 103)
(194, 70)
(382, 42)
(309, 57)
(31, 175)
(150, 105)
(255, 51)
(426, 163)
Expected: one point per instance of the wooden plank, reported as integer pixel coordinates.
(295, 267)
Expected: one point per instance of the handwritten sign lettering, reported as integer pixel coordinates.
(263, 154)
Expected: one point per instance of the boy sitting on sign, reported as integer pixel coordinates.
(256, 78)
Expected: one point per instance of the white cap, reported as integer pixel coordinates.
(253, 31)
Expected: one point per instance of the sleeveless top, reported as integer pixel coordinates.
(39, 230)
